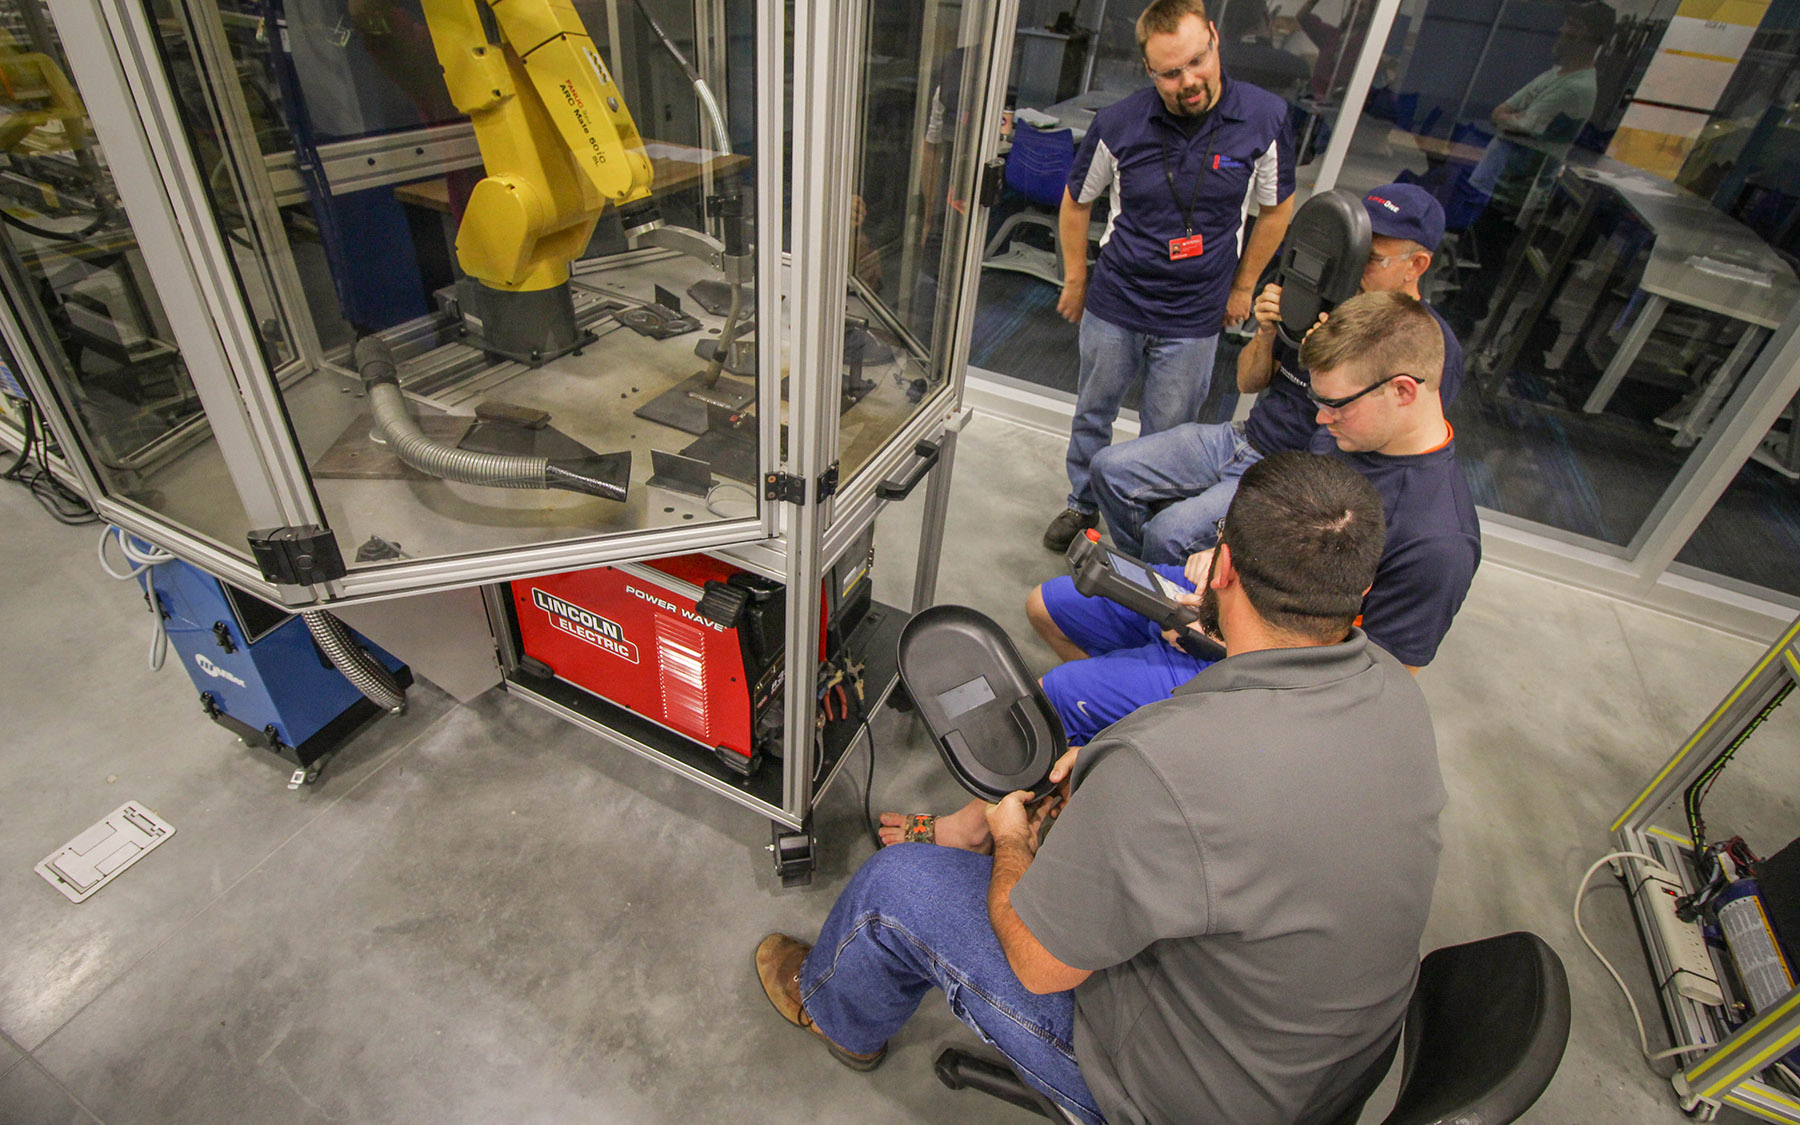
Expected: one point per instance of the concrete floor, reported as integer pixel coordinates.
(480, 913)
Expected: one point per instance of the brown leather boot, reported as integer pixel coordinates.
(778, 959)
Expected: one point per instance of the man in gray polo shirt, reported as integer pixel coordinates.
(1225, 924)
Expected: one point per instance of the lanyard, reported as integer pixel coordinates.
(1187, 212)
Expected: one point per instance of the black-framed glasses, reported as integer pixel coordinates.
(1339, 403)
(1218, 531)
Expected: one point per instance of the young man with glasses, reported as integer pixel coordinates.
(1160, 494)
(1224, 924)
(1376, 363)
(1183, 161)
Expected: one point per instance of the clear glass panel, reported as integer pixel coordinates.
(1067, 69)
(1612, 265)
(253, 117)
(927, 65)
(1752, 534)
(556, 380)
(117, 373)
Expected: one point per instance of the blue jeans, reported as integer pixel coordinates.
(913, 917)
(1195, 465)
(1175, 372)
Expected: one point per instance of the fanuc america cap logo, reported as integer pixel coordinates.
(1388, 203)
(213, 670)
(586, 625)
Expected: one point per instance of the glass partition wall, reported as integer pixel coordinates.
(1070, 61)
(1624, 232)
(1621, 253)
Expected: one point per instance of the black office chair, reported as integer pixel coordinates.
(1484, 1035)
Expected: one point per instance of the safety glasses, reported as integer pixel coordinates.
(1339, 403)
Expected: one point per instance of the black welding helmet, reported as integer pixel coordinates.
(987, 713)
(1322, 259)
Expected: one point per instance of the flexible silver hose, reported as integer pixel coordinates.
(388, 404)
(721, 138)
(363, 671)
(606, 475)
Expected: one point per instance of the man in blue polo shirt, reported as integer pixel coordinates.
(1183, 161)
(1376, 363)
(1161, 494)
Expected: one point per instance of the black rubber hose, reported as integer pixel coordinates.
(362, 670)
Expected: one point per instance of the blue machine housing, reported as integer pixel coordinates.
(257, 668)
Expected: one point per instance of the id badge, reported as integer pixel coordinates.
(1188, 247)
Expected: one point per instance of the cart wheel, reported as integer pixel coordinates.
(793, 853)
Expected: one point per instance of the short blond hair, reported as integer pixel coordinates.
(1163, 17)
(1380, 334)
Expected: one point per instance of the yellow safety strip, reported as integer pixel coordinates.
(1767, 1094)
(1757, 1061)
(1699, 55)
(1743, 686)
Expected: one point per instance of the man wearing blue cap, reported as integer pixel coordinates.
(1189, 473)
(1373, 372)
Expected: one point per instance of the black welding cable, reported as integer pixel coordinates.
(869, 788)
(701, 89)
(12, 473)
(54, 235)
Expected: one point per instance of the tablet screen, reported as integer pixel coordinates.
(1131, 570)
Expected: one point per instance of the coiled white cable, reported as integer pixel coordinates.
(1643, 1040)
(141, 558)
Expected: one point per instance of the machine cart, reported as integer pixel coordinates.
(1704, 997)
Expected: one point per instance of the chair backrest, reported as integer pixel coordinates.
(1485, 1032)
(1038, 165)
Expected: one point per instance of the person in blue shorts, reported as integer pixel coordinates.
(1161, 494)
(1376, 363)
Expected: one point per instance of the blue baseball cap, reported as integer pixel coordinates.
(1406, 211)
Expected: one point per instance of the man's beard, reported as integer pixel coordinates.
(1209, 601)
(1206, 99)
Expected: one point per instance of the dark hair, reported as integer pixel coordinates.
(1595, 19)
(1163, 17)
(1305, 534)
(1383, 334)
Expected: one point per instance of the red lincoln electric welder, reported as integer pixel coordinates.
(691, 643)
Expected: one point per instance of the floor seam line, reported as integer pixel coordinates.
(30, 1060)
(1637, 669)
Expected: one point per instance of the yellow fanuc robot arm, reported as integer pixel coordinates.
(34, 88)
(556, 139)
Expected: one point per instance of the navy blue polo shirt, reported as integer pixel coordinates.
(1433, 547)
(1284, 418)
(1242, 151)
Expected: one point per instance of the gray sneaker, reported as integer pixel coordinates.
(1064, 528)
